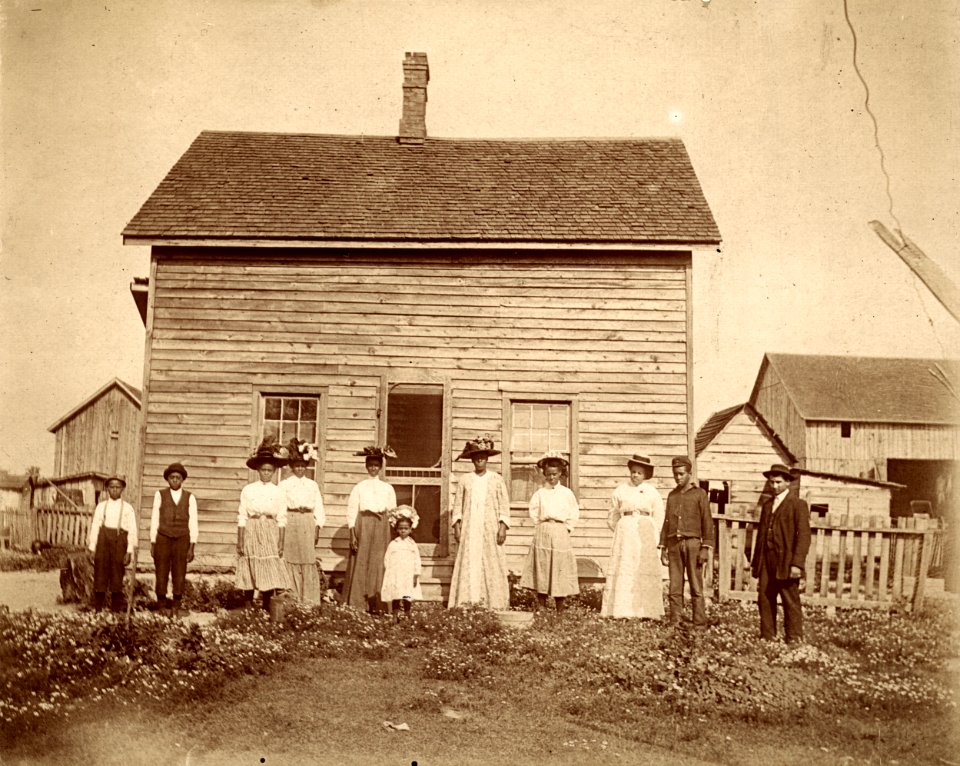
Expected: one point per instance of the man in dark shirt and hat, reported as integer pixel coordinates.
(779, 555)
(685, 538)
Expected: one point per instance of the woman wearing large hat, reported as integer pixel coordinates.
(261, 527)
(305, 519)
(480, 518)
(370, 501)
(634, 584)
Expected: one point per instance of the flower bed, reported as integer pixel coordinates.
(861, 661)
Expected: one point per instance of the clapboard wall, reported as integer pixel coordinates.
(608, 330)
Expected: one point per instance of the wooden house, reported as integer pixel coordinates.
(419, 292)
(893, 420)
(734, 446)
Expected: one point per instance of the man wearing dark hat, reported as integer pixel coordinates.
(173, 535)
(685, 538)
(779, 555)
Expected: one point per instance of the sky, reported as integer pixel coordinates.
(99, 99)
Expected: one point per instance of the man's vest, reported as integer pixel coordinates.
(174, 517)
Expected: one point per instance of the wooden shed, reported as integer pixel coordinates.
(97, 438)
(419, 292)
(734, 446)
(890, 419)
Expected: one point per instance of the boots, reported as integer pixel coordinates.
(266, 596)
(98, 601)
(116, 602)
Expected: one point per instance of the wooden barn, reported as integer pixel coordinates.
(420, 292)
(893, 420)
(734, 446)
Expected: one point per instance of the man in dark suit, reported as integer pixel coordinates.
(779, 555)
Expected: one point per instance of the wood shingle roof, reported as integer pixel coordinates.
(869, 389)
(269, 186)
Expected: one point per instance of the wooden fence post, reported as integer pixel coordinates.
(924, 563)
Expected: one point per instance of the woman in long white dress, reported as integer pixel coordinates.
(480, 519)
(634, 583)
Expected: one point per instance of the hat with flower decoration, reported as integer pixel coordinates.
(553, 456)
(301, 451)
(268, 451)
(377, 453)
(482, 446)
(407, 512)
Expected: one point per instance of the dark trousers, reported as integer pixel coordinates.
(682, 560)
(170, 557)
(768, 588)
(108, 563)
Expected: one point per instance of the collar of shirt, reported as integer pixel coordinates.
(779, 499)
(176, 494)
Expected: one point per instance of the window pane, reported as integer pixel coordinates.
(415, 424)
(308, 432)
(289, 432)
(524, 481)
(291, 409)
(271, 430)
(558, 439)
(521, 415)
(521, 441)
(541, 417)
(271, 408)
(308, 409)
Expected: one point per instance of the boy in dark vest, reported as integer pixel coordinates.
(173, 535)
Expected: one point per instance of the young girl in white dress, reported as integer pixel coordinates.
(401, 563)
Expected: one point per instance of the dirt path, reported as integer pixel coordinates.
(32, 590)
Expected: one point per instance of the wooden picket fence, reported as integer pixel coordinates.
(63, 526)
(853, 562)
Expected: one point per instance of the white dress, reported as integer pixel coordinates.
(634, 583)
(401, 564)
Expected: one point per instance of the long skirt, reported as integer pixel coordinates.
(634, 587)
(551, 567)
(108, 560)
(260, 567)
(365, 573)
(300, 557)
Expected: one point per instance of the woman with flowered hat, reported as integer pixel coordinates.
(551, 567)
(401, 563)
(480, 518)
(261, 527)
(367, 508)
(634, 585)
(305, 519)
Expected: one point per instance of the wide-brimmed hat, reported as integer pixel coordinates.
(641, 461)
(268, 451)
(175, 468)
(378, 453)
(779, 469)
(552, 457)
(115, 477)
(301, 451)
(482, 445)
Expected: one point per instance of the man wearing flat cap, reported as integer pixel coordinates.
(779, 555)
(173, 534)
(685, 539)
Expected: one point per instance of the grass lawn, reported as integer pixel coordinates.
(571, 690)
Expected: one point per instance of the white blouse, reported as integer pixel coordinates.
(114, 514)
(370, 495)
(259, 499)
(555, 503)
(643, 499)
(303, 493)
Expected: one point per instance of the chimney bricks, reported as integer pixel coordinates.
(416, 75)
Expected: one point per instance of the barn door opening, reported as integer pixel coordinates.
(414, 428)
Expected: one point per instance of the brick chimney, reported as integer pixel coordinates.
(416, 75)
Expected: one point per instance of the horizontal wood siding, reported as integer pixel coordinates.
(607, 330)
(739, 454)
(777, 409)
(866, 451)
(846, 497)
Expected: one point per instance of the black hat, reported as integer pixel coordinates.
(779, 469)
(681, 460)
(115, 477)
(175, 468)
(482, 446)
(300, 451)
(269, 451)
(375, 452)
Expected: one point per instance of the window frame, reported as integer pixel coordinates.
(260, 394)
(521, 397)
(441, 548)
